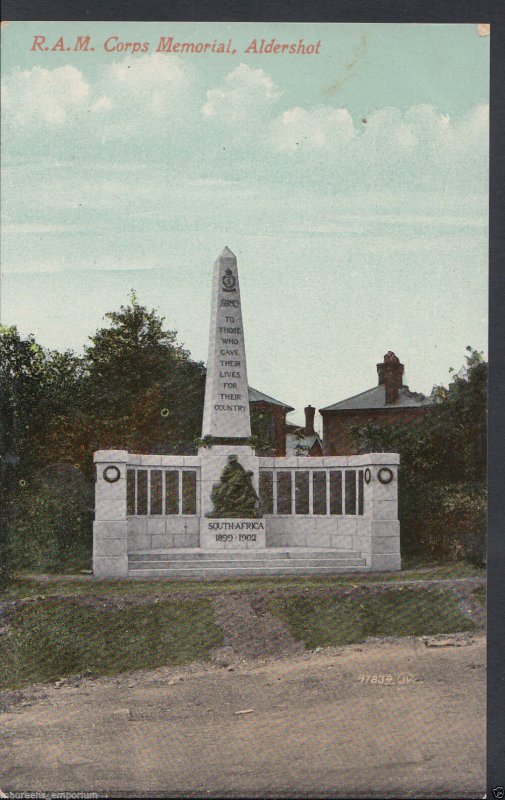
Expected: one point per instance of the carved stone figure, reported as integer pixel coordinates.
(234, 495)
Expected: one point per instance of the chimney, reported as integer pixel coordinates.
(309, 421)
(391, 375)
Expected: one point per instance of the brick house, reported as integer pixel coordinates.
(304, 441)
(286, 439)
(388, 403)
(276, 412)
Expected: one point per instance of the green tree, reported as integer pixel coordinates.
(142, 390)
(132, 353)
(135, 388)
(262, 431)
(442, 490)
(142, 385)
(35, 384)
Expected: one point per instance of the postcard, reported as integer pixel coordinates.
(244, 379)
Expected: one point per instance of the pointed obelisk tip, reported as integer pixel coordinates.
(227, 253)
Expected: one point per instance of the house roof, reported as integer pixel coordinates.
(259, 397)
(376, 398)
(294, 442)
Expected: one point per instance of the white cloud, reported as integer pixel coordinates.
(317, 128)
(388, 131)
(244, 94)
(133, 89)
(154, 96)
(423, 140)
(155, 101)
(39, 95)
(103, 103)
(473, 130)
(153, 83)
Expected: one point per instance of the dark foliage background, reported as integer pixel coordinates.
(135, 388)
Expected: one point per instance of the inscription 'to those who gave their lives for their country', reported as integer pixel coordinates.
(230, 362)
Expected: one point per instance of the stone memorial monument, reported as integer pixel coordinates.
(226, 511)
(226, 427)
(226, 408)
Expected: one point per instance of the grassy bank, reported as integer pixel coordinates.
(57, 627)
(52, 638)
(332, 621)
(76, 585)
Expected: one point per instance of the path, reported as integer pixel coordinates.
(315, 729)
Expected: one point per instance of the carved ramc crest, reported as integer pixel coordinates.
(234, 495)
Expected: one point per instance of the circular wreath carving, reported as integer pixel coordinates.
(385, 475)
(368, 475)
(111, 474)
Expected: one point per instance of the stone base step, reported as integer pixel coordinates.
(196, 563)
(253, 554)
(246, 563)
(237, 572)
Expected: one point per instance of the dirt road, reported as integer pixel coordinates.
(315, 727)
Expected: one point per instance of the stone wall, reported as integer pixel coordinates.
(163, 533)
(373, 528)
(375, 532)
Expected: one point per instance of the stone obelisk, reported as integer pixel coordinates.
(226, 410)
(228, 462)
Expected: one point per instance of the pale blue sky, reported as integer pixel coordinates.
(352, 187)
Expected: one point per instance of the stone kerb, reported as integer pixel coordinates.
(110, 533)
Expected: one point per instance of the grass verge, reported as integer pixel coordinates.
(29, 586)
(332, 621)
(59, 637)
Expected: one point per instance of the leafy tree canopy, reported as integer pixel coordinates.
(132, 353)
(35, 385)
(144, 391)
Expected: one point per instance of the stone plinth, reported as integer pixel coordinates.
(213, 460)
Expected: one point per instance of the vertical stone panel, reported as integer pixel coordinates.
(110, 560)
